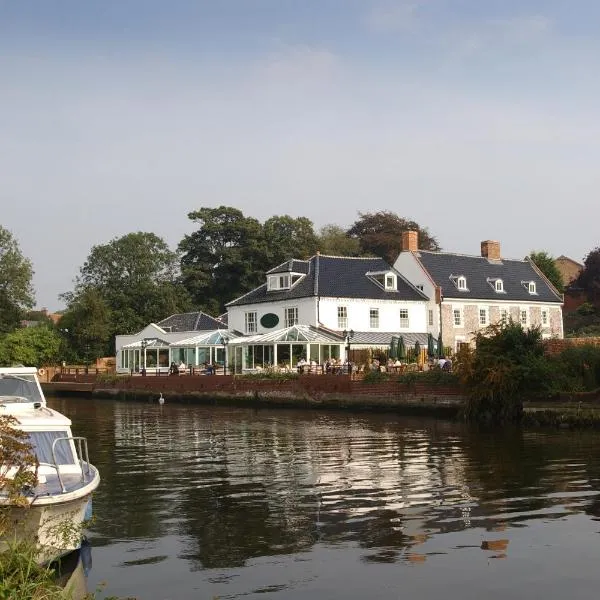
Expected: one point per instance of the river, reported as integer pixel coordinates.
(207, 502)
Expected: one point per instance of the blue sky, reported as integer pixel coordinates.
(478, 119)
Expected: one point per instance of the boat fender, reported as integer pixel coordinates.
(41, 372)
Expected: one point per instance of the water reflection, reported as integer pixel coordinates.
(211, 491)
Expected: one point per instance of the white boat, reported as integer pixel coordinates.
(56, 507)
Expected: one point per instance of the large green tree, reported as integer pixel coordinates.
(589, 278)
(130, 281)
(545, 263)
(16, 291)
(87, 327)
(224, 258)
(380, 234)
(335, 241)
(288, 237)
(30, 346)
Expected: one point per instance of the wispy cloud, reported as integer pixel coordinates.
(393, 17)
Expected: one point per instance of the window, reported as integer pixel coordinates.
(483, 316)
(374, 318)
(430, 318)
(404, 318)
(499, 285)
(278, 282)
(544, 316)
(531, 287)
(457, 317)
(389, 282)
(42, 441)
(251, 322)
(291, 316)
(504, 315)
(342, 314)
(523, 317)
(461, 283)
(420, 287)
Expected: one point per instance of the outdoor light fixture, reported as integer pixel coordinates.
(348, 335)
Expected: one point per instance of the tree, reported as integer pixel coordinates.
(589, 278)
(16, 291)
(30, 346)
(135, 281)
(334, 240)
(87, 327)
(545, 263)
(288, 237)
(380, 234)
(224, 258)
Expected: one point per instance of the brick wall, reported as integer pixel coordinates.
(556, 346)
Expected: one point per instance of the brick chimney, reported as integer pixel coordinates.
(410, 241)
(490, 250)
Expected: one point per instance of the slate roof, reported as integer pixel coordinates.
(291, 266)
(335, 277)
(382, 338)
(478, 270)
(192, 321)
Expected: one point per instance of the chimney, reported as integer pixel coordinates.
(44, 311)
(410, 241)
(490, 250)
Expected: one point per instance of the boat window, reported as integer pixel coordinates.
(42, 444)
(20, 385)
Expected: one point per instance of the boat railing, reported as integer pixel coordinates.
(82, 450)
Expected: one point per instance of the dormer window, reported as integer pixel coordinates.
(385, 279)
(460, 281)
(278, 282)
(497, 284)
(530, 287)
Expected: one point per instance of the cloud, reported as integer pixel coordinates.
(393, 17)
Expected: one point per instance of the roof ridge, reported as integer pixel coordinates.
(463, 255)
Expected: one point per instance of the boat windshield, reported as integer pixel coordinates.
(23, 386)
(41, 442)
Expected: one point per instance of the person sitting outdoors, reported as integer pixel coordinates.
(173, 369)
(301, 364)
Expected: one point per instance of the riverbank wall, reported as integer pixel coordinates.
(323, 391)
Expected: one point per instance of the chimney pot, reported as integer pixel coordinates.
(490, 249)
(410, 241)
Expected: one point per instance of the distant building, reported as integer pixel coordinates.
(569, 270)
(467, 293)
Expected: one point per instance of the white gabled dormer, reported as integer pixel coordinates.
(530, 286)
(497, 284)
(460, 281)
(386, 279)
(282, 281)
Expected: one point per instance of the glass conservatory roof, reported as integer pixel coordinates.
(295, 333)
(150, 343)
(207, 338)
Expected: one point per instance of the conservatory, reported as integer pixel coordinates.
(148, 353)
(284, 348)
(209, 347)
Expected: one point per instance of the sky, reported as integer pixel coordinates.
(477, 119)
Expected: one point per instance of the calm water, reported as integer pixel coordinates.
(204, 503)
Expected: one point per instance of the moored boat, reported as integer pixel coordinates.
(53, 511)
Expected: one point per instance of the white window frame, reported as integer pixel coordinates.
(523, 311)
(420, 287)
(293, 319)
(430, 317)
(504, 315)
(404, 320)
(485, 313)
(373, 318)
(390, 281)
(461, 283)
(457, 312)
(499, 286)
(545, 317)
(279, 282)
(251, 321)
(531, 288)
(342, 317)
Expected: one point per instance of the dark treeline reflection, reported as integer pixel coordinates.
(234, 484)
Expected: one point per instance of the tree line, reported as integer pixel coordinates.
(136, 279)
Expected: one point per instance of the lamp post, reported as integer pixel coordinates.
(225, 342)
(348, 335)
(144, 345)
